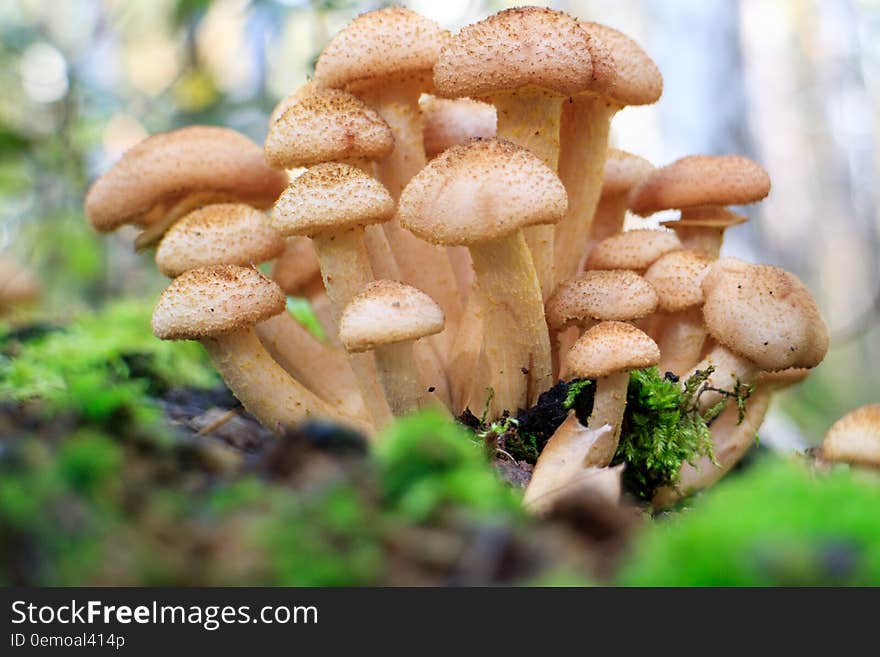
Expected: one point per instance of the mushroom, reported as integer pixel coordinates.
(167, 175)
(237, 234)
(700, 186)
(526, 61)
(451, 121)
(608, 352)
(617, 295)
(761, 318)
(855, 438)
(219, 306)
(481, 195)
(633, 249)
(387, 318)
(623, 74)
(677, 277)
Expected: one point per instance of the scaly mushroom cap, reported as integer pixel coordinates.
(783, 378)
(632, 249)
(622, 71)
(220, 234)
(297, 266)
(677, 277)
(393, 42)
(212, 301)
(173, 164)
(620, 295)
(17, 284)
(448, 122)
(855, 438)
(387, 312)
(764, 313)
(516, 48)
(300, 93)
(701, 180)
(610, 348)
(623, 172)
(326, 125)
(331, 197)
(480, 191)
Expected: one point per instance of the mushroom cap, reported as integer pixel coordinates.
(326, 125)
(173, 164)
(393, 42)
(525, 47)
(620, 295)
(855, 438)
(622, 70)
(623, 172)
(677, 277)
(610, 348)
(479, 191)
(448, 122)
(219, 234)
(291, 99)
(783, 378)
(699, 180)
(297, 266)
(708, 217)
(331, 197)
(765, 314)
(212, 301)
(632, 249)
(17, 284)
(387, 312)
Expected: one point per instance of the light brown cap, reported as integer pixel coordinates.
(393, 42)
(677, 277)
(331, 197)
(17, 284)
(632, 249)
(855, 438)
(212, 301)
(783, 378)
(291, 99)
(327, 125)
(525, 47)
(448, 122)
(623, 172)
(220, 234)
(622, 71)
(387, 312)
(480, 191)
(765, 314)
(708, 217)
(173, 164)
(699, 180)
(297, 267)
(610, 348)
(620, 295)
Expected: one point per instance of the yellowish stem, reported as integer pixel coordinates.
(730, 368)
(608, 406)
(681, 341)
(405, 390)
(607, 221)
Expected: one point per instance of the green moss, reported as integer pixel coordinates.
(776, 525)
(302, 311)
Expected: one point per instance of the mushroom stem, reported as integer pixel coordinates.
(531, 120)
(702, 239)
(681, 340)
(729, 368)
(165, 215)
(607, 221)
(468, 374)
(264, 388)
(400, 378)
(319, 367)
(608, 406)
(584, 127)
(516, 340)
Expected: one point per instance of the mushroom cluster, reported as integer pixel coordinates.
(450, 205)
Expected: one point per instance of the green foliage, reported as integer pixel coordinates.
(776, 525)
(575, 388)
(302, 311)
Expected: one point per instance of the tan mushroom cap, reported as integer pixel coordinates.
(291, 99)
(297, 266)
(623, 172)
(393, 42)
(701, 180)
(212, 301)
(170, 165)
(17, 284)
(632, 249)
(387, 312)
(611, 348)
(708, 217)
(331, 197)
(525, 47)
(765, 314)
(448, 122)
(677, 277)
(620, 295)
(622, 70)
(326, 125)
(855, 438)
(220, 234)
(784, 378)
(480, 191)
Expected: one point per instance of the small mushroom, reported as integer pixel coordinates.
(855, 438)
(219, 306)
(387, 318)
(633, 249)
(451, 121)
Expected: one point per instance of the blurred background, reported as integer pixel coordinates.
(794, 84)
